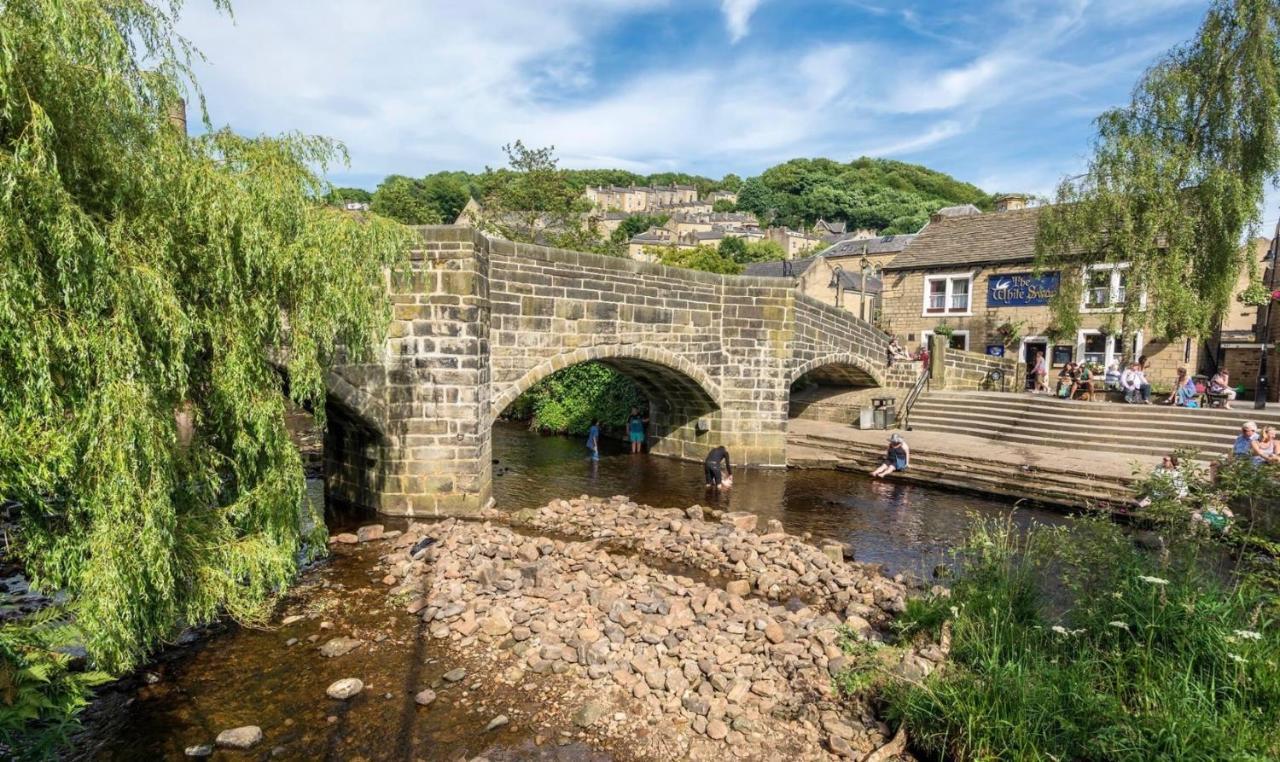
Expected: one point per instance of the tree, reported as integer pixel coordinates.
(724, 205)
(1176, 178)
(340, 196)
(145, 276)
(732, 248)
(445, 193)
(636, 224)
(731, 182)
(705, 258)
(535, 201)
(406, 200)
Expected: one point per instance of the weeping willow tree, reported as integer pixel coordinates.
(146, 278)
(1176, 179)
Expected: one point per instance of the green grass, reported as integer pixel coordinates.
(1069, 643)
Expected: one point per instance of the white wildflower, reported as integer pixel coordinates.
(1248, 635)
(1119, 625)
(1236, 659)
(1060, 629)
(955, 612)
(1153, 580)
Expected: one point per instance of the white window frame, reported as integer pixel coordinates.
(1110, 355)
(949, 278)
(926, 335)
(1115, 304)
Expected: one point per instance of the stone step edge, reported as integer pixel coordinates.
(1135, 435)
(1115, 418)
(1206, 452)
(1026, 398)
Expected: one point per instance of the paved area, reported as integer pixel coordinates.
(1017, 456)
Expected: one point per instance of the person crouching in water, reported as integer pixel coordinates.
(711, 468)
(896, 458)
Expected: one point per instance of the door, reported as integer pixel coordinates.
(1029, 351)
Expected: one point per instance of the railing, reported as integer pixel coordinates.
(904, 412)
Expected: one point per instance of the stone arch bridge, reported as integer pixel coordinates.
(478, 321)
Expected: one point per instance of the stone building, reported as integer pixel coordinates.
(974, 274)
(722, 195)
(794, 243)
(1241, 339)
(830, 281)
(641, 199)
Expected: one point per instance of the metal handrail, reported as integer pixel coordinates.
(904, 412)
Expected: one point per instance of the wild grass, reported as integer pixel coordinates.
(1070, 643)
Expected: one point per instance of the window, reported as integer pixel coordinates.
(1095, 347)
(959, 340)
(948, 294)
(1105, 287)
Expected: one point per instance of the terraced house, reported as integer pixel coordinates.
(972, 274)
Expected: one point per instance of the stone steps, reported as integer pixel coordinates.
(1130, 429)
(1045, 485)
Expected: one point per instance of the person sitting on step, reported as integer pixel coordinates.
(1184, 392)
(1264, 448)
(1113, 377)
(1220, 387)
(1067, 381)
(1135, 385)
(1084, 382)
(896, 458)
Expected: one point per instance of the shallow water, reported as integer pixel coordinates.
(244, 676)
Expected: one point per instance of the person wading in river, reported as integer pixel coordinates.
(593, 440)
(635, 430)
(711, 467)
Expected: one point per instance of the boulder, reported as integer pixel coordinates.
(339, 646)
(346, 538)
(740, 520)
(369, 532)
(589, 714)
(455, 675)
(425, 697)
(738, 587)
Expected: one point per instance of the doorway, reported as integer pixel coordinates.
(1032, 346)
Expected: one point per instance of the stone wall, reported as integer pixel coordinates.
(477, 322)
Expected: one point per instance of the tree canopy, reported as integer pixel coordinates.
(1176, 178)
(144, 278)
(431, 200)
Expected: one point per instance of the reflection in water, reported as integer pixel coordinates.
(267, 678)
(906, 527)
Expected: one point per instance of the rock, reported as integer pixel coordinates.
(841, 748)
(421, 545)
(245, 737)
(389, 580)
(346, 538)
(740, 520)
(589, 714)
(200, 750)
(455, 675)
(497, 722)
(496, 624)
(339, 646)
(291, 642)
(773, 631)
(291, 619)
(738, 587)
(834, 551)
(369, 532)
(717, 730)
(416, 605)
(528, 552)
(425, 697)
(345, 688)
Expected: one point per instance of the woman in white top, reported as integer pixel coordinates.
(1040, 370)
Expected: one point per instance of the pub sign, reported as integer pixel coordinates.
(1021, 289)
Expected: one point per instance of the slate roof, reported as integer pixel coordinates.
(794, 268)
(976, 239)
(963, 210)
(885, 244)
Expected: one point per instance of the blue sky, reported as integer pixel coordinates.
(998, 92)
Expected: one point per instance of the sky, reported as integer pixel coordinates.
(1000, 93)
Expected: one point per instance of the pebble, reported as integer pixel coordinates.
(425, 697)
(455, 675)
(497, 722)
(200, 750)
(339, 646)
(245, 737)
(345, 688)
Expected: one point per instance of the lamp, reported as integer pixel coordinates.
(862, 292)
(835, 282)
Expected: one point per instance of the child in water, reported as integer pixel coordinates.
(593, 440)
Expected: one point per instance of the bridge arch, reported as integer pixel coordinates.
(839, 369)
(656, 371)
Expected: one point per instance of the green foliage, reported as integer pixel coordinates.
(567, 401)
(888, 196)
(633, 226)
(724, 205)
(745, 252)
(340, 196)
(1177, 177)
(535, 201)
(406, 200)
(705, 258)
(1070, 643)
(40, 694)
(144, 276)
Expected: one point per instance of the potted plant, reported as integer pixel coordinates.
(943, 329)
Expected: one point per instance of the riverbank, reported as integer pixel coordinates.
(1055, 476)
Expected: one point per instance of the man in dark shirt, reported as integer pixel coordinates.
(712, 467)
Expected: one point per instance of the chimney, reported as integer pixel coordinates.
(178, 115)
(1011, 202)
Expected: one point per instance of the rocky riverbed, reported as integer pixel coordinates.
(647, 633)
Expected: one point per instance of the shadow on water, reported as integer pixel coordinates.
(246, 676)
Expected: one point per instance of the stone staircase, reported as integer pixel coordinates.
(1055, 486)
(1139, 430)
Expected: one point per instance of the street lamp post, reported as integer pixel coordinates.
(835, 282)
(862, 293)
(1273, 261)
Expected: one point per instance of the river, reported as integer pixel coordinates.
(240, 676)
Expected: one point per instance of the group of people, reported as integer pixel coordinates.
(895, 352)
(1079, 380)
(1257, 445)
(637, 426)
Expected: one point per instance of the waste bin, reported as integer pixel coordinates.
(866, 418)
(885, 416)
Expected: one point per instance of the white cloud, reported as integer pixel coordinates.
(737, 17)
